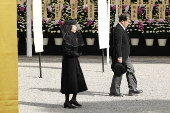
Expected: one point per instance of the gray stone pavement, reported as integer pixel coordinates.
(42, 95)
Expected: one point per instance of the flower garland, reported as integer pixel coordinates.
(89, 25)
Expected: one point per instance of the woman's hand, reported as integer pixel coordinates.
(78, 54)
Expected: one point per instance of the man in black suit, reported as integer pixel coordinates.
(120, 54)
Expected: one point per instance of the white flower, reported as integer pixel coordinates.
(150, 21)
(68, 8)
(136, 21)
(56, 22)
(161, 20)
(58, 31)
(49, 8)
(142, 5)
(111, 5)
(126, 8)
(89, 19)
(84, 6)
(21, 5)
(47, 20)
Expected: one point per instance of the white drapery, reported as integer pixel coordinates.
(37, 25)
(104, 24)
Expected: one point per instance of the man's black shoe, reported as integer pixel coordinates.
(134, 92)
(116, 94)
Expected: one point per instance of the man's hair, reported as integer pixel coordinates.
(124, 17)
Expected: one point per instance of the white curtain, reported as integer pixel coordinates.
(103, 23)
(37, 25)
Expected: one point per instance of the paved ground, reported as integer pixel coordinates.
(42, 95)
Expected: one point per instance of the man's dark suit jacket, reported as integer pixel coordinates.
(121, 44)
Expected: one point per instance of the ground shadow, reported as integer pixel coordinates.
(81, 93)
(39, 104)
(41, 67)
(113, 106)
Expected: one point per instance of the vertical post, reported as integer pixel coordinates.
(40, 65)
(108, 14)
(116, 15)
(103, 60)
(108, 55)
(29, 33)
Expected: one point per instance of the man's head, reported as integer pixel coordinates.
(124, 19)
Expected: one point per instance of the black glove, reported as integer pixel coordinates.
(78, 54)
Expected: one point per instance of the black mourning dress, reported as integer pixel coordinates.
(72, 79)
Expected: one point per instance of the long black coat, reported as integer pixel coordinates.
(72, 79)
(121, 44)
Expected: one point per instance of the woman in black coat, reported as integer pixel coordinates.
(72, 79)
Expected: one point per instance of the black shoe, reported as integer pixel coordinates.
(68, 106)
(116, 94)
(134, 92)
(75, 103)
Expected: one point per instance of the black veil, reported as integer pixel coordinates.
(73, 39)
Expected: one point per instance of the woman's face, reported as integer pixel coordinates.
(74, 28)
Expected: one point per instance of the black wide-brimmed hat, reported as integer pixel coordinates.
(70, 22)
(73, 39)
(119, 68)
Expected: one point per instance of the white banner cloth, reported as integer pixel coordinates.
(37, 25)
(103, 23)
